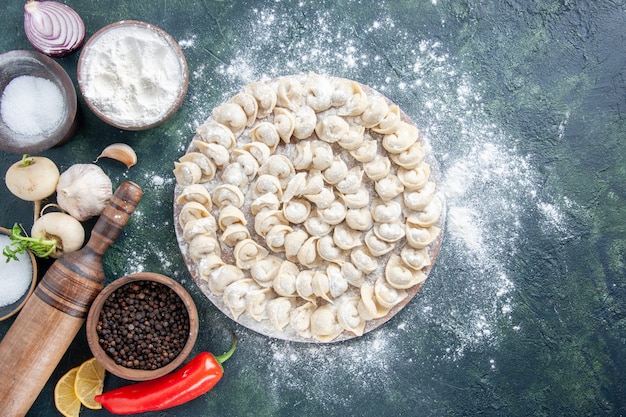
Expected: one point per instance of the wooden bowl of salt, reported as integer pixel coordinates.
(38, 104)
(18, 279)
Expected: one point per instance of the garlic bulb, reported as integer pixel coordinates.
(83, 191)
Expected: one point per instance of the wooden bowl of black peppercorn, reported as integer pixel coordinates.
(142, 326)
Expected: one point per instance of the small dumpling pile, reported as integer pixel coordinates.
(306, 206)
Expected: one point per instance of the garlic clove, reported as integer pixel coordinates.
(83, 191)
(120, 152)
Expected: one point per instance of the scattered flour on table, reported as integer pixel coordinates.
(489, 186)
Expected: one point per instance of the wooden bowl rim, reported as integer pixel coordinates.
(140, 374)
(24, 298)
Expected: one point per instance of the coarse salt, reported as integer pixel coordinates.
(32, 106)
(15, 276)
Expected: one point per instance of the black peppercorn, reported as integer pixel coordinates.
(143, 325)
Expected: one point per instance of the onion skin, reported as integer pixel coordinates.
(53, 28)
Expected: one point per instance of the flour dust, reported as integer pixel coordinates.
(489, 184)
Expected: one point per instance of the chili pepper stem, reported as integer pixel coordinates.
(224, 357)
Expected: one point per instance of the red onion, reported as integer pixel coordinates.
(53, 28)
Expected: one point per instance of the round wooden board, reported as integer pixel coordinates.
(264, 327)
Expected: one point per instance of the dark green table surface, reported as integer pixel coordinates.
(524, 104)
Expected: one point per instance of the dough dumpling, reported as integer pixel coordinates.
(232, 116)
(279, 311)
(247, 252)
(265, 96)
(213, 132)
(324, 324)
(349, 317)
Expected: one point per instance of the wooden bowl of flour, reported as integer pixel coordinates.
(132, 75)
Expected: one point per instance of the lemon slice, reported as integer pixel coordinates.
(64, 396)
(89, 383)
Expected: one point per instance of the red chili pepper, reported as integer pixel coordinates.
(194, 379)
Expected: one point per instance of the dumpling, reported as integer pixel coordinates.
(420, 237)
(378, 168)
(267, 201)
(415, 258)
(429, 215)
(353, 139)
(234, 174)
(362, 259)
(377, 108)
(386, 211)
(235, 295)
(345, 237)
(285, 123)
(367, 307)
(303, 155)
(321, 285)
(187, 173)
(209, 263)
(400, 276)
(295, 186)
(304, 287)
(235, 233)
(260, 151)
(280, 167)
(356, 101)
(417, 200)
(307, 254)
(334, 214)
(357, 200)
(229, 215)
(327, 250)
(222, 276)
(228, 195)
(207, 167)
(192, 211)
(387, 296)
(337, 283)
(390, 232)
(266, 133)
(336, 172)
(324, 324)
(217, 153)
(297, 211)
(323, 199)
(306, 119)
(213, 132)
(348, 316)
(197, 193)
(199, 226)
(331, 128)
(249, 105)
(202, 245)
(293, 242)
(265, 270)
(410, 158)
(416, 178)
(376, 245)
(275, 238)
(289, 93)
(359, 219)
(401, 139)
(279, 311)
(249, 164)
(247, 252)
(322, 155)
(389, 122)
(232, 116)
(300, 319)
(353, 275)
(319, 92)
(284, 283)
(266, 220)
(389, 187)
(351, 182)
(316, 226)
(256, 303)
(366, 152)
(265, 96)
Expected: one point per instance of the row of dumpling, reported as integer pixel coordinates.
(293, 299)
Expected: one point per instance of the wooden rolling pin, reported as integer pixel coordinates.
(53, 315)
